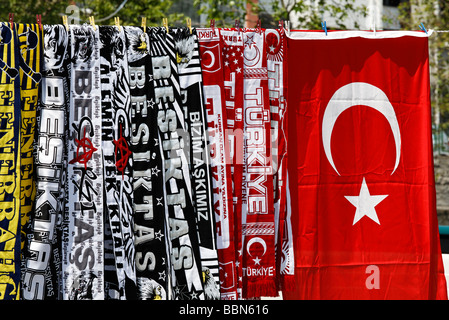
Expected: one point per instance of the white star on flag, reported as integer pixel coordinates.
(365, 204)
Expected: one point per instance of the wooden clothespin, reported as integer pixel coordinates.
(237, 26)
(39, 20)
(92, 22)
(165, 23)
(189, 24)
(143, 44)
(117, 23)
(65, 23)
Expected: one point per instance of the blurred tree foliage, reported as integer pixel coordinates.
(434, 14)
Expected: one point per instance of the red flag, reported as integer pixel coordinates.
(361, 168)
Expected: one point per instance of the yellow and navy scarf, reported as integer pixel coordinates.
(10, 255)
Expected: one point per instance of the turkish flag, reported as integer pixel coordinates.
(361, 167)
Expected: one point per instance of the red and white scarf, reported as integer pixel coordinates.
(258, 221)
(214, 99)
(276, 60)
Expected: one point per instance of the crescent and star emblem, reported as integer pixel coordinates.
(348, 96)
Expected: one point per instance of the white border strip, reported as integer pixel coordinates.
(333, 35)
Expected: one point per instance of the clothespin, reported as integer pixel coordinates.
(258, 27)
(421, 26)
(39, 20)
(189, 24)
(212, 25)
(117, 23)
(323, 25)
(65, 23)
(237, 26)
(92, 22)
(144, 23)
(165, 23)
(11, 18)
(287, 27)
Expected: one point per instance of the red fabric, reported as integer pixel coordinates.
(213, 82)
(339, 255)
(258, 221)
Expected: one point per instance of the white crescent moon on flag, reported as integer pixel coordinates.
(358, 94)
(212, 58)
(256, 240)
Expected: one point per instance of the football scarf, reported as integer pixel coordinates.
(83, 276)
(43, 264)
(258, 230)
(233, 95)
(10, 255)
(276, 59)
(191, 83)
(30, 47)
(213, 83)
(149, 221)
(186, 273)
(117, 159)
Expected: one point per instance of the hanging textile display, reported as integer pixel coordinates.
(41, 276)
(83, 272)
(185, 266)
(275, 42)
(210, 48)
(10, 106)
(258, 227)
(149, 222)
(158, 163)
(191, 84)
(120, 275)
(361, 168)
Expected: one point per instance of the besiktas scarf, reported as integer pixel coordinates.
(83, 276)
(185, 262)
(43, 263)
(191, 83)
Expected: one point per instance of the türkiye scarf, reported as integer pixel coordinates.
(41, 275)
(191, 83)
(185, 266)
(10, 109)
(152, 261)
(213, 84)
(83, 272)
(119, 252)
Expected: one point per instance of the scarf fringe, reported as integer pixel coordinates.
(263, 288)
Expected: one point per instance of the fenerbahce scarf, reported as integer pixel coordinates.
(173, 134)
(120, 275)
(43, 263)
(30, 42)
(9, 164)
(190, 80)
(149, 221)
(83, 249)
